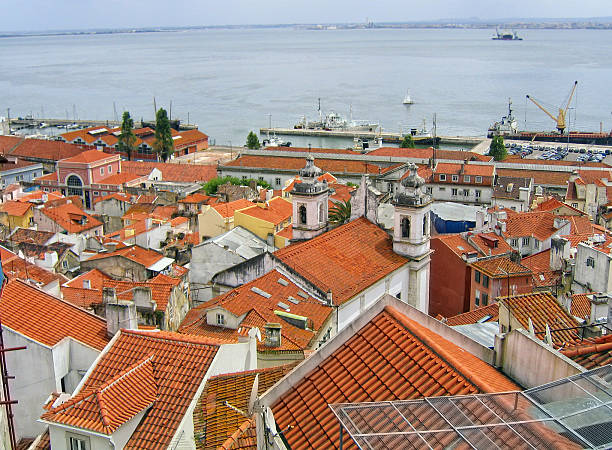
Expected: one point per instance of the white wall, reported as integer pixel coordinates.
(588, 278)
(59, 438)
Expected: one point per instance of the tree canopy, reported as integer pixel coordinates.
(163, 144)
(127, 139)
(407, 142)
(211, 186)
(252, 141)
(497, 149)
(340, 213)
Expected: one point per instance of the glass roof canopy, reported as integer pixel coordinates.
(571, 413)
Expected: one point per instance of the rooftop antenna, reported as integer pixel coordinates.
(154, 108)
(115, 111)
(320, 113)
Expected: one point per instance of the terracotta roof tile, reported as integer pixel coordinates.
(591, 353)
(160, 290)
(227, 209)
(31, 236)
(501, 267)
(275, 211)
(542, 177)
(15, 208)
(45, 149)
(581, 305)
(489, 313)
(29, 311)
(140, 255)
(69, 216)
(390, 358)
(45, 441)
(16, 267)
(118, 179)
(214, 422)
(116, 195)
(543, 309)
(537, 224)
(259, 310)
(199, 198)
(338, 166)
(178, 364)
(191, 173)
(333, 261)
(76, 291)
(38, 196)
(90, 156)
(539, 264)
(426, 153)
(465, 169)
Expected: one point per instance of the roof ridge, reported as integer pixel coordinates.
(170, 336)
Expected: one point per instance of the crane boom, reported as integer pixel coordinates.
(560, 119)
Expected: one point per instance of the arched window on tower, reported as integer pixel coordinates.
(425, 225)
(405, 227)
(302, 214)
(321, 218)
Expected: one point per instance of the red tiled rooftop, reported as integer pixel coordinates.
(199, 198)
(116, 195)
(539, 264)
(178, 366)
(140, 255)
(465, 169)
(15, 208)
(537, 224)
(16, 267)
(69, 217)
(489, 313)
(31, 236)
(501, 267)
(543, 309)
(227, 209)
(76, 292)
(591, 353)
(118, 179)
(390, 358)
(45, 149)
(90, 156)
(30, 311)
(275, 211)
(297, 163)
(542, 177)
(192, 173)
(334, 261)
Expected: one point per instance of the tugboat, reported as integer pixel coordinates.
(506, 36)
(506, 126)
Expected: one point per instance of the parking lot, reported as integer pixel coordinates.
(556, 151)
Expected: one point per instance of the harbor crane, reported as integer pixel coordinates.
(560, 119)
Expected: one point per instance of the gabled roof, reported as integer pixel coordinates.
(191, 173)
(30, 236)
(45, 149)
(552, 204)
(266, 299)
(38, 196)
(227, 209)
(390, 357)
(160, 290)
(345, 260)
(15, 208)
(501, 267)
(118, 179)
(541, 177)
(510, 187)
(465, 169)
(75, 292)
(69, 216)
(275, 211)
(177, 366)
(90, 156)
(47, 319)
(485, 244)
(581, 305)
(113, 403)
(537, 224)
(426, 153)
(16, 267)
(214, 421)
(543, 309)
(489, 313)
(539, 264)
(115, 195)
(199, 198)
(135, 253)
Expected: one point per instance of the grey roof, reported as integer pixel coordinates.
(509, 187)
(455, 211)
(241, 242)
(483, 333)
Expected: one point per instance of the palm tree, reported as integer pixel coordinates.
(340, 213)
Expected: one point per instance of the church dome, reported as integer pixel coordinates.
(310, 171)
(413, 180)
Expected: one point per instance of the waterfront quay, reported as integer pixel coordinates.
(387, 137)
(63, 123)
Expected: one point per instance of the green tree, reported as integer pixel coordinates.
(497, 149)
(340, 213)
(252, 141)
(163, 144)
(407, 142)
(127, 139)
(212, 185)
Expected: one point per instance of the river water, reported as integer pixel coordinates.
(229, 81)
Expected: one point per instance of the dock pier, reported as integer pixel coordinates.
(387, 137)
(35, 123)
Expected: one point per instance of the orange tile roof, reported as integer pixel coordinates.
(333, 261)
(90, 156)
(537, 224)
(37, 196)
(160, 290)
(136, 253)
(16, 267)
(192, 173)
(552, 204)
(544, 177)
(501, 267)
(178, 221)
(227, 209)
(390, 358)
(539, 264)
(177, 367)
(543, 309)
(69, 215)
(118, 179)
(30, 311)
(15, 208)
(581, 305)
(165, 211)
(31, 236)
(595, 176)
(426, 153)
(199, 198)
(490, 313)
(76, 293)
(485, 244)
(115, 195)
(45, 149)
(95, 278)
(259, 310)
(516, 159)
(297, 163)
(286, 232)
(591, 353)
(580, 224)
(276, 211)
(213, 420)
(468, 169)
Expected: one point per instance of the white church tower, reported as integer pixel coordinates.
(310, 207)
(411, 236)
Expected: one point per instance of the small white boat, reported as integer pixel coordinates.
(408, 100)
(275, 142)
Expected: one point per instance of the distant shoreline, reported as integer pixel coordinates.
(516, 24)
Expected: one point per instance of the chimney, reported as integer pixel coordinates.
(142, 297)
(119, 313)
(273, 334)
(269, 194)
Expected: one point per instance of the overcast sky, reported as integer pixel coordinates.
(39, 15)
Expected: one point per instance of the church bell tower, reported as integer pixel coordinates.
(310, 207)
